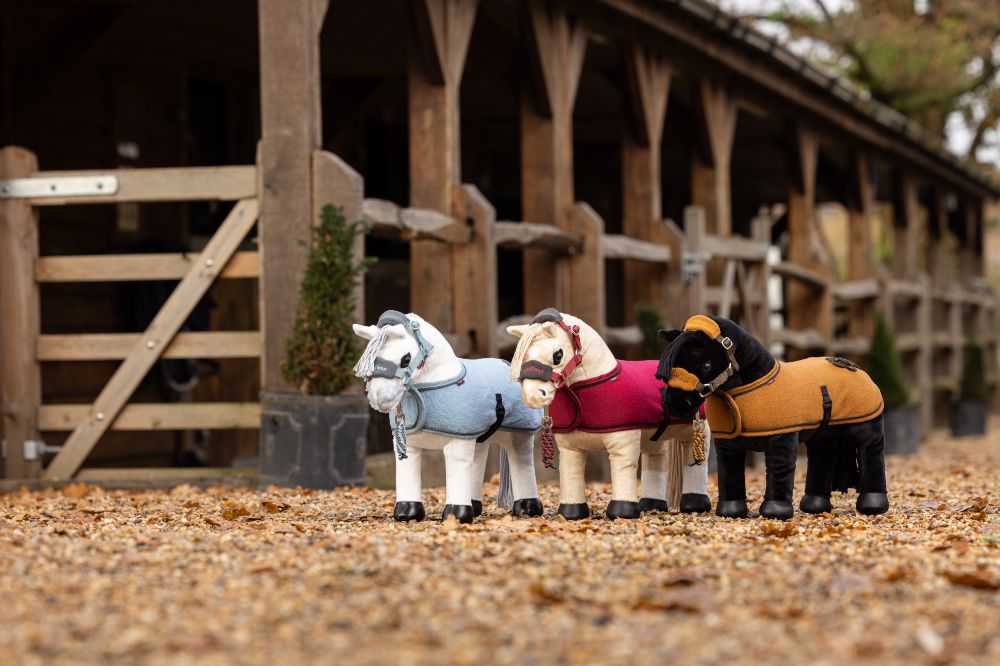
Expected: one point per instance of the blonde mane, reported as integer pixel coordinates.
(522, 348)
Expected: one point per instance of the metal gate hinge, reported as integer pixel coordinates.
(692, 264)
(58, 186)
(34, 449)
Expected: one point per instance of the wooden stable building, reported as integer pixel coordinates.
(509, 155)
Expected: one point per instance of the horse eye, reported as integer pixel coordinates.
(405, 361)
(557, 357)
(707, 366)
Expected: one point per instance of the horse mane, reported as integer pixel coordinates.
(754, 358)
(514, 373)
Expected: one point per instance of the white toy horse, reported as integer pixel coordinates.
(436, 400)
(597, 403)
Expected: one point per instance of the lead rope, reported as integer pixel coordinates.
(698, 440)
(505, 493)
(548, 443)
(399, 433)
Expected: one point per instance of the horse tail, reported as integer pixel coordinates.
(505, 494)
(675, 472)
(846, 470)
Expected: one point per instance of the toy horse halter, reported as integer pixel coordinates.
(377, 366)
(546, 373)
(687, 381)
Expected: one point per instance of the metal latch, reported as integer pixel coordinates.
(692, 264)
(58, 186)
(34, 449)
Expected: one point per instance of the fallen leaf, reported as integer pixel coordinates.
(974, 505)
(781, 529)
(275, 507)
(233, 510)
(979, 579)
(691, 600)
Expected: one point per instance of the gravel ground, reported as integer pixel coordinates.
(239, 576)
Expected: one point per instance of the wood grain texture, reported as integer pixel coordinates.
(711, 168)
(158, 416)
(225, 183)
(586, 269)
(475, 266)
(20, 376)
(101, 415)
(136, 267)
(116, 346)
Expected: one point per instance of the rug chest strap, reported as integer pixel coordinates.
(827, 412)
(501, 413)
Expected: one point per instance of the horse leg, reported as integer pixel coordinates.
(478, 474)
(872, 493)
(694, 481)
(409, 504)
(819, 478)
(732, 482)
(623, 454)
(653, 484)
(459, 460)
(779, 464)
(520, 449)
(572, 488)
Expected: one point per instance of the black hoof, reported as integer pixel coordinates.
(622, 509)
(776, 509)
(463, 512)
(732, 509)
(530, 507)
(574, 511)
(406, 511)
(477, 508)
(815, 504)
(695, 503)
(872, 504)
(650, 504)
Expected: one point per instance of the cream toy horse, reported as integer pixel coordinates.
(436, 400)
(597, 403)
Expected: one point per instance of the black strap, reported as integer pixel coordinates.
(501, 413)
(827, 412)
(666, 418)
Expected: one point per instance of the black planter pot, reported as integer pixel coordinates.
(968, 418)
(313, 441)
(902, 430)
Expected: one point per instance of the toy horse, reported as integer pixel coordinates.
(436, 400)
(757, 403)
(596, 403)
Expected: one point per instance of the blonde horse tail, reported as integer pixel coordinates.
(675, 472)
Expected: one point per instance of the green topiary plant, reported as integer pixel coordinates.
(323, 349)
(973, 387)
(886, 367)
(650, 322)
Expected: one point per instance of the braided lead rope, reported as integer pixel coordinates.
(698, 440)
(399, 433)
(505, 494)
(548, 443)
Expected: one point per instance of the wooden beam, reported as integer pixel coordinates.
(20, 376)
(805, 307)
(711, 169)
(136, 267)
(648, 77)
(735, 247)
(939, 260)
(116, 346)
(528, 234)
(157, 336)
(436, 63)
(226, 183)
(556, 47)
(158, 416)
(475, 276)
(802, 274)
(619, 246)
(697, 286)
(291, 131)
(904, 254)
(388, 220)
(861, 259)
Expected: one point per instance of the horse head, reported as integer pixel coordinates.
(550, 349)
(397, 353)
(697, 361)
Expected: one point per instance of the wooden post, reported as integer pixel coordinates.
(290, 132)
(675, 292)
(925, 354)
(335, 182)
(436, 63)
(586, 288)
(697, 288)
(649, 87)
(805, 307)
(860, 206)
(760, 275)
(556, 46)
(904, 254)
(938, 260)
(20, 375)
(711, 169)
(475, 276)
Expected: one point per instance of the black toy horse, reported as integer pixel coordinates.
(755, 403)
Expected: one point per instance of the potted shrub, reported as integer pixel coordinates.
(901, 417)
(968, 418)
(317, 438)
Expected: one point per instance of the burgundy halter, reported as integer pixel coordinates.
(543, 372)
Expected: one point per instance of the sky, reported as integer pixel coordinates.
(959, 136)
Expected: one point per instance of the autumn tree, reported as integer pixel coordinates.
(927, 59)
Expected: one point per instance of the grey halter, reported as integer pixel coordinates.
(377, 366)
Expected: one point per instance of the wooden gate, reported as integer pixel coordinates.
(24, 189)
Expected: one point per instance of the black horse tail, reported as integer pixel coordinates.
(846, 468)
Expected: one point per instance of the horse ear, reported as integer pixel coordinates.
(517, 331)
(365, 332)
(669, 336)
